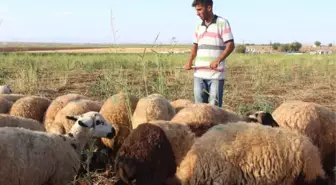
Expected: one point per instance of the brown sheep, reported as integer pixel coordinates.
(118, 110)
(152, 152)
(61, 124)
(5, 105)
(33, 107)
(180, 104)
(152, 107)
(56, 105)
(200, 117)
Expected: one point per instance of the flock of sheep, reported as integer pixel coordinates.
(154, 141)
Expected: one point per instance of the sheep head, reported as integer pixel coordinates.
(93, 124)
(262, 117)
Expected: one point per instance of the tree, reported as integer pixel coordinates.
(330, 45)
(276, 45)
(317, 43)
(240, 48)
(295, 46)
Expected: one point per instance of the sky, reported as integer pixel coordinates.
(84, 21)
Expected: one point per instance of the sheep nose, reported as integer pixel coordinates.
(111, 134)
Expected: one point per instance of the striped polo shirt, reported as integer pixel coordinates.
(211, 42)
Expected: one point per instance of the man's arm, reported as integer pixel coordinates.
(230, 46)
(227, 38)
(193, 53)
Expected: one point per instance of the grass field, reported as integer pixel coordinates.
(261, 81)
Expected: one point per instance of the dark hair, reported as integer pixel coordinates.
(203, 2)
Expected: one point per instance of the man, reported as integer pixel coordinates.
(213, 43)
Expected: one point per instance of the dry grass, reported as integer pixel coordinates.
(253, 81)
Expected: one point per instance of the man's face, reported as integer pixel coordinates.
(202, 11)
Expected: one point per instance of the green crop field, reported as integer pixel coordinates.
(253, 81)
(258, 82)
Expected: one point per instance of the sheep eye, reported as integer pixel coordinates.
(98, 122)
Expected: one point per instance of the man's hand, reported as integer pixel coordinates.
(214, 64)
(188, 65)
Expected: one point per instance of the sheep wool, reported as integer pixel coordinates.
(5, 105)
(313, 120)
(180, 137)
(56, 105)
(251, 154)
(12, 97)
(145, 156)
(36, 158)
(61, 124)
(152, 107)
(17, 121)
(180, 104)
(33, 107)
(200, 117)
(118, 110)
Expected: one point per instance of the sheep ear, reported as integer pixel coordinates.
(82, 124)
(73, 118)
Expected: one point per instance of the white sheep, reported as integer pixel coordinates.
(150, 108)
(17, 121)
(251, 154)
(315, 121)
(39, 158)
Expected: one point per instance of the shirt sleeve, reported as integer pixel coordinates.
(226, 32)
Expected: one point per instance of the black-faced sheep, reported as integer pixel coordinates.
(250, 154)
(316, 122)
(33, 107)
(262, 117)
(152, 152)
(152, 107)
(39, 158)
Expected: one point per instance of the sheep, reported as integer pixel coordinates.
(152, 107)
(181, 104)
(5, 105)
(265, 118)
(118, 110)
(5, 89)
(152, 152)
(33, 107)
(250, 154)
(12, 97)
(313, 120)
(200, 117)
(61, 124)
(38, 158)
(17, 121)
(56, 105)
